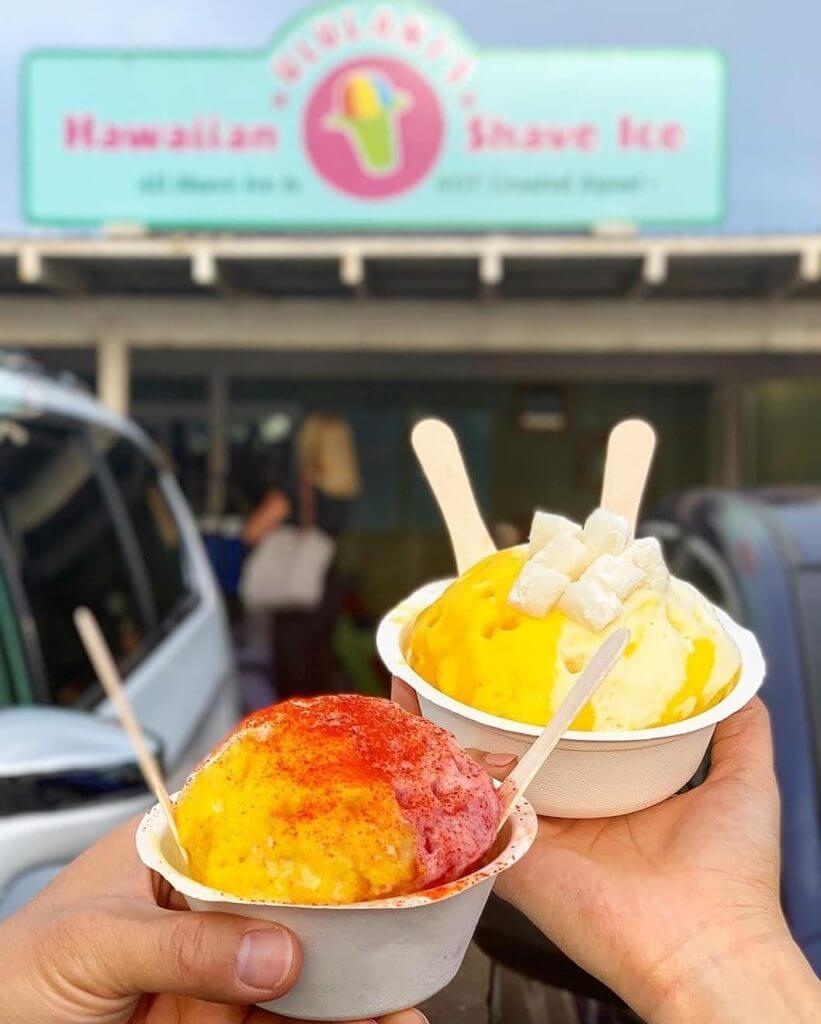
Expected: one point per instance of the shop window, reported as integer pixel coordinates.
(65, 548)
(473, 427)
(380, 438)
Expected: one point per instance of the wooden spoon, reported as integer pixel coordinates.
(439, 455)
(104, 665)
(630, 450)
(593, 675)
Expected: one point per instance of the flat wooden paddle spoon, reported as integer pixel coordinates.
(630, 450)
(593, 675)
(439, 455)
(99, 654)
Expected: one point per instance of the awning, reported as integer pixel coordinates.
(417, 295)
(417, 266)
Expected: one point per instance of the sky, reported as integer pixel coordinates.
(772, 50)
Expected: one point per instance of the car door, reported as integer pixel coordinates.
(62, 547)
(184, 687)
(59, 547)
(88, 518)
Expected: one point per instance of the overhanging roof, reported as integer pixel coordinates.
(491, 295)
(516, 267)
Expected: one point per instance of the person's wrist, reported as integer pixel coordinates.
(750, 975)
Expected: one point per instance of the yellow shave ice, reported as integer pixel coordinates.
(479, 645)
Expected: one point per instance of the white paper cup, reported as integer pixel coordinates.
(589, 774)
(360, 959)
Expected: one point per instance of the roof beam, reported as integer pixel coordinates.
(352, 271)
(491, 271)
(499, 366)
(711, 326)
(653, 273)
(807, 273)
(35, 269)
(208, 272)
(238, 247)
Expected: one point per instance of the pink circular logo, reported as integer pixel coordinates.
(373, 127)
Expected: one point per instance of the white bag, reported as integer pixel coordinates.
(286, 570)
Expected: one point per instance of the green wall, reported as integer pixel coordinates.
(783, 433)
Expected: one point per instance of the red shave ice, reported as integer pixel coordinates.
(336, 799)
(450, 802)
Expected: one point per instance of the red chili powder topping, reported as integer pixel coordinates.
(448, 800)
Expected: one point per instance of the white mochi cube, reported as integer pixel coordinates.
(566, 554)
(546, 526)
(606, 533)
(590, 604)
(537, 589)
(647, 555)
(615, 573)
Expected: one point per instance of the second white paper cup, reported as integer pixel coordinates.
(589, 774)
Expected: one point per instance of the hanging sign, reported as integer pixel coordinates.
(368, 116)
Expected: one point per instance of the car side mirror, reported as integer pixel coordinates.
(54, 758)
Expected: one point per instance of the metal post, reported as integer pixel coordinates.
(728, 398)
(114, 374)
(217, 442)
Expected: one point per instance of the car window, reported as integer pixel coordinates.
(699, 564)
(66, 549)
(703, 579)
(153, 521)
(15, 679)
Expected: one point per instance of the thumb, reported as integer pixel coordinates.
(217, 957)
(404, 696)
(497, 765)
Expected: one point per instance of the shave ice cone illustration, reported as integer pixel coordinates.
(368, 111)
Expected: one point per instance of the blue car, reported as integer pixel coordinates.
(758, 555)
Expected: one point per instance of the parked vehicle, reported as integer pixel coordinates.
(758, 555)
(90, 515)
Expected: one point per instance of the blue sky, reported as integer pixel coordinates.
(772, 51)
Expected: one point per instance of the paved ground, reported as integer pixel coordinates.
(516, 1000)
(464, 1001)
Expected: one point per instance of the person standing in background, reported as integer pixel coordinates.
(321, 495)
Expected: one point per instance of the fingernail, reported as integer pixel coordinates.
(264, 958)
(499, 760)
(422, 1019)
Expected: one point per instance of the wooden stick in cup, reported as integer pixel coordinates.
(99, 655)
(593, 675)
(439, 455)
(630, 450)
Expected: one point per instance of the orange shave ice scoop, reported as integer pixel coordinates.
(335, 799)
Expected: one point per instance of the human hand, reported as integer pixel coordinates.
(108, 942)
(675, 907)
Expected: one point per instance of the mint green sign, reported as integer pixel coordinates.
(363, 116)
